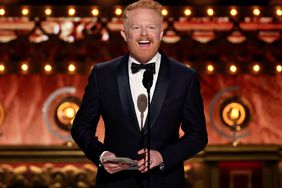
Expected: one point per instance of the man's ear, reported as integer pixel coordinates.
(123, 33)
(161, 34)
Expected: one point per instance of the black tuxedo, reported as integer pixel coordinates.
(176, 101)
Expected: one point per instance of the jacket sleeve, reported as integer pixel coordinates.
(194, 127)
(86, 120)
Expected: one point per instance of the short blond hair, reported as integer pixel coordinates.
(146, 4)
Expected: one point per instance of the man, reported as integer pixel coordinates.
(113, 90)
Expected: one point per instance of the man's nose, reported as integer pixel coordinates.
(144, 32)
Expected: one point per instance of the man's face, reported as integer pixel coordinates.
(142, 30)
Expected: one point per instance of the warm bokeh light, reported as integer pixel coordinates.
(279, 68)
(164, 12)
(2, 68)
(71, 11)
(2, 12)
(233, 12)
(210, 12)
(71, 68)
(95, 12)
(65, 113)
(279, 12)
(256, 68)
(235, 143)
(25, 11)
(70, 144)
(48, 11)
(233, 69)
(118, 11)
(234, 114)
(70, 112)
(24, 67)
(187, 12)
(210, 68)
(48, 68)
(256, 12)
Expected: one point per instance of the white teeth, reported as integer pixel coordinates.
(144, 42)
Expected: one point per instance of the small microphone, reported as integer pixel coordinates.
(142, 106)
(147, 79)
(142, 103)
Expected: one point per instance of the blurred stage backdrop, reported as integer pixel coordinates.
(48, 50)
(29, 118)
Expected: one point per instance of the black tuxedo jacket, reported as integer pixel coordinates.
(176, 102)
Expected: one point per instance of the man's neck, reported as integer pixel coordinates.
(143, 62)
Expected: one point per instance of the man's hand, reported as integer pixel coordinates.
(155, 159)
(112, 167)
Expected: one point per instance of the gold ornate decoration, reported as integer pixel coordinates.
(230, 114)
(233, 113)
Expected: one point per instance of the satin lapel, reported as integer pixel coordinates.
(159, 93)
(125, 94)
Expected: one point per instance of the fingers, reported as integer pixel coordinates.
(143, 162)
(143, 151)
(115, 167)
(109, 166)
(143, 165)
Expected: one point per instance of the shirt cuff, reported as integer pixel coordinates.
(162, 166)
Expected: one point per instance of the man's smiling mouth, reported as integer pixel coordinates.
(144, 43)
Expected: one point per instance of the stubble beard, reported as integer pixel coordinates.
(143, 56)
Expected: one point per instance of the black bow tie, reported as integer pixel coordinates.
(137, 67)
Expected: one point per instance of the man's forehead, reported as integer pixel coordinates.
(142, 13)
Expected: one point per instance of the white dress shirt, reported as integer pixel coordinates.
(136, 85)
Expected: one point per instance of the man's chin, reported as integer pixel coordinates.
(144, 58)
